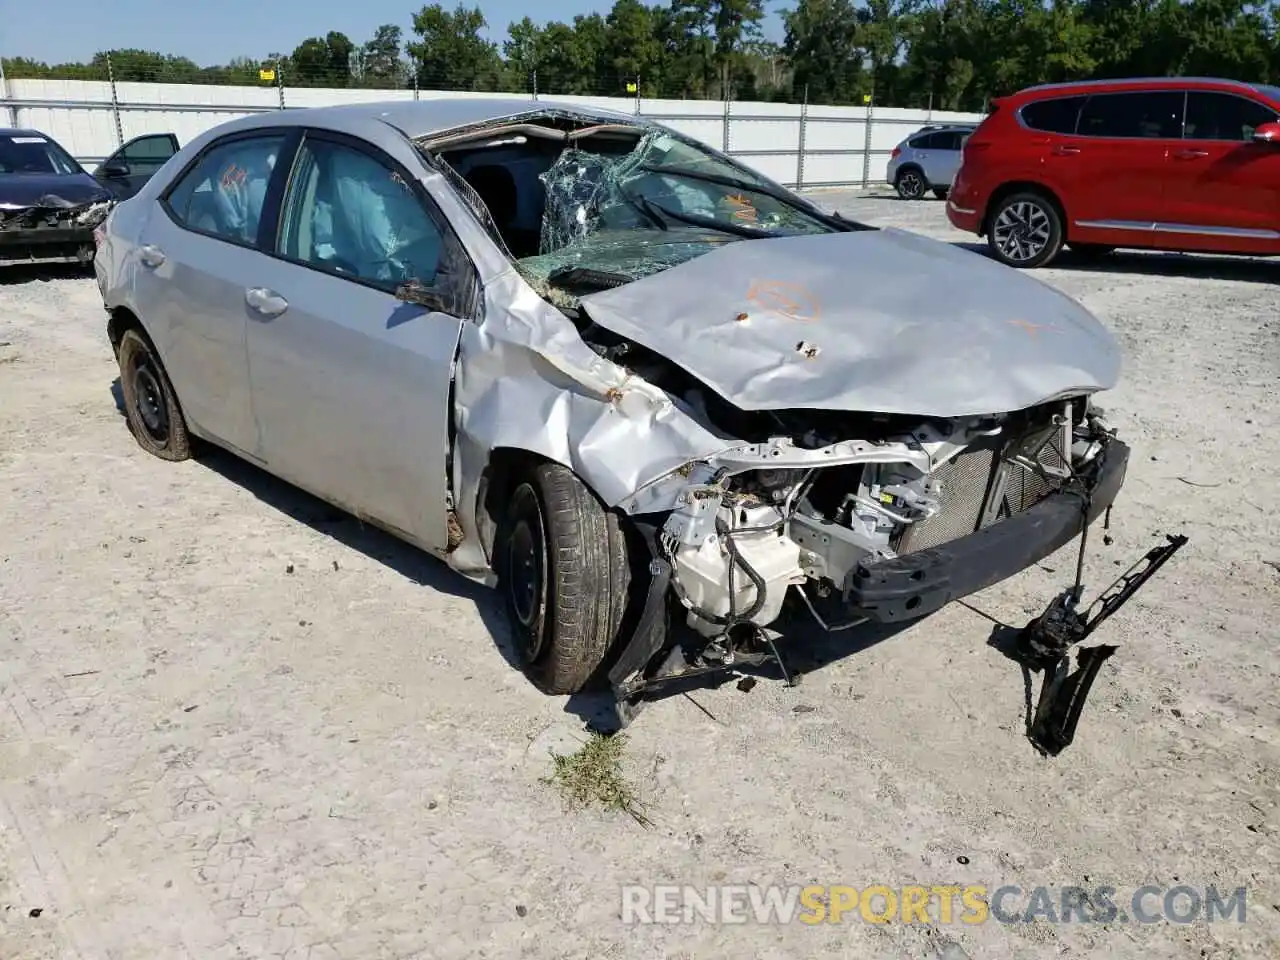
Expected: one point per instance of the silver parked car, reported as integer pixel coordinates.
(647, 392)
(927, 160)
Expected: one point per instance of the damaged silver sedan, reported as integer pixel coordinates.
(654, 397)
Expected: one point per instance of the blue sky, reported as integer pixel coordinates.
(214, 31)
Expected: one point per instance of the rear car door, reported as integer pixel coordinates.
(197, 254)
(126, 170)
(944, 158)
(1222, 183)
(1117, 158)
(351, 383)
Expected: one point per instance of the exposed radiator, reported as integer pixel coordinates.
(967, 481)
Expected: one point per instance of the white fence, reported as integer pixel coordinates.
(800, 146)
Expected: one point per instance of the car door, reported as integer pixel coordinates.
(1222, 183)
(197, 254)
(944, 158)
(126, 170)
(1118, 158)
(351, 383)
(922, 151)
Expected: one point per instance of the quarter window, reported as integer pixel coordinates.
(350, 214)
(1155, 114)
(1053, 116)
(1223, 116)
(223, 194)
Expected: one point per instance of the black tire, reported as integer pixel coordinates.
(910, 183)
(150, 403)
(941, 192)
(1025, 230)
(564, 573)
(1090, 251)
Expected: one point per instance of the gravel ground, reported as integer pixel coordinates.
(236, 724)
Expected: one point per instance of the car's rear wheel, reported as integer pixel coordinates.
(1025, 230)
(910, 183)
(150, 403)
(565, 576)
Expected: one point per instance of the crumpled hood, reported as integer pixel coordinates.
(20, 190)
(877, 320)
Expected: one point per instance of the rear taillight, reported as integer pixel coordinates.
(897, 152)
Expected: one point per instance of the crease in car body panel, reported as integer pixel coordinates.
(595, 351)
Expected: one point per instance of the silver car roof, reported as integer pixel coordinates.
(422, 118)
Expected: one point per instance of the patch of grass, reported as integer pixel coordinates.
(592, 777)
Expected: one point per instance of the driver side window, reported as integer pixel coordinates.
(350, 214)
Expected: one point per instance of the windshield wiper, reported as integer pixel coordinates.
(783, 197)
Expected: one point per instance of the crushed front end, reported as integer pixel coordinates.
(884, 529)
(50, 231)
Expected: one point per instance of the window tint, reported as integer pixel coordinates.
(921, 143)
(1222, 116)
(33, 153)
(154, 150)
(1152, 114)
(353, 215)
(948, 141)
(224, 192)
(1053, 116)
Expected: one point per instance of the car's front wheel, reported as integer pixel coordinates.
(150, 403)
(1025, 231)
(910, 183)
(565, 575)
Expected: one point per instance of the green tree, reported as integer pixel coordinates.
(378, 61)
(450, 54)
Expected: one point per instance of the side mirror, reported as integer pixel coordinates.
(114, 168)
(1267, 133)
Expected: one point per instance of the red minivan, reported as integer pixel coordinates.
(1167, 164)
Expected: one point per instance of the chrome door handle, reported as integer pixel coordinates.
(1190, 154)
(265, 301)
(151, 255)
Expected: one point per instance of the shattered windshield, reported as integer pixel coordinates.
(31, 153)
(665, 183)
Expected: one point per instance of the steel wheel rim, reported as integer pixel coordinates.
(1022, 231)
(526, 570)
(149, 400)
(910, 184)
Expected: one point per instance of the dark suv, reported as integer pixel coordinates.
(1171, 164)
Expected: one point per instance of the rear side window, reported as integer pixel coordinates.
(223, 194)
(1224, 116)
(148, 150)
(1152, 114)
(1053, 116)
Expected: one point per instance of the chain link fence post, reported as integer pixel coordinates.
(637, 94)
(535, 85)
(115, 102)
(416, 94)
(280, 83)
(727, 119)
(866, 140)
(804, 123)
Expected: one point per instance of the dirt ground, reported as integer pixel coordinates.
(235, 723)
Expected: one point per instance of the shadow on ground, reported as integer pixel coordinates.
(410, 562)
(1195, 266)
(16, 274)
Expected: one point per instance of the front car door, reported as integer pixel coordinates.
(197, 253)
(351, 383)
(1224, 188)
(944, 158)
(126, 170)
(1120, 155)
